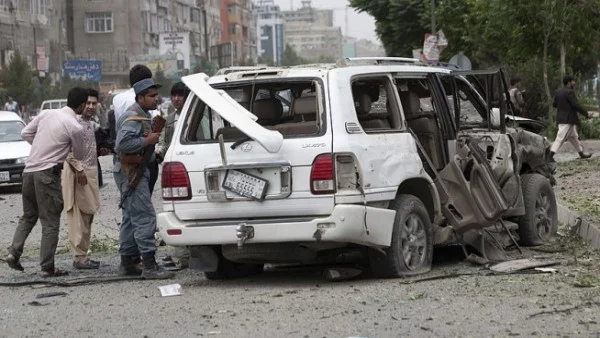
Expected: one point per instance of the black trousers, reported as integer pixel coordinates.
(153, 167)
(100, 183)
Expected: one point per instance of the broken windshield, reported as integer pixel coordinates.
(288, 106)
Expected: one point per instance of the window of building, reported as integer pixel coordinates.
(194, 15)
(38, 7)
(99, 22)
(231, 29)
(232, 9)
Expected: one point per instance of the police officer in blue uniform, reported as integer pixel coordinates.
(134, 133)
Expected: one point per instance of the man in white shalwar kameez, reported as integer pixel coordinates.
(81, 190)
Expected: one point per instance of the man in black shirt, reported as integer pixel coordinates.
(567, 108)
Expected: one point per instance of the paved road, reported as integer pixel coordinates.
(296, 303)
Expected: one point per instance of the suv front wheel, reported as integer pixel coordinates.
(411, 251)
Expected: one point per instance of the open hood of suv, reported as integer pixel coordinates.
(233, 112)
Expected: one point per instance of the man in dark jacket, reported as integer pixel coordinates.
(567, 108)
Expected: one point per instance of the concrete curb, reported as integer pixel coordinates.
(589, 231)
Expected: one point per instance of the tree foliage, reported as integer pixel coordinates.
(400, 24)
(17, 78)
(290, 57)
(160, 78)
(538, 40)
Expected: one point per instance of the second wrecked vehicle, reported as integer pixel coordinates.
(381, 156)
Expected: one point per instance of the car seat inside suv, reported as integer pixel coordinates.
(424, 125)
(369, 121)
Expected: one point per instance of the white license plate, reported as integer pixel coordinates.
(245, 185)
(4, 176)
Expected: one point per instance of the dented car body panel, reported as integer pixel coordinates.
(315, 157)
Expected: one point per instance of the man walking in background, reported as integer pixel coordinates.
(516, 96)
(567, 107)
(81, 190)
(53, 134)
(12, 106)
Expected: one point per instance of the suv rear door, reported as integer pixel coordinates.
(223, 159)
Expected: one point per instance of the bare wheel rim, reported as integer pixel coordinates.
(414, 242)
(543, 215)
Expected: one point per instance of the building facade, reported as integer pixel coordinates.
(121, 33)
(271, 32)
(353, 47)
(239, 35)
(37, 30)
(307, 13)
(311, 33)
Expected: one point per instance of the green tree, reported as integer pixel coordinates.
(538, 40)
(290, 57)
(18, 79)
(400, 24)
(160, 78)
(207, 67)
(326, 59)
(265, 61)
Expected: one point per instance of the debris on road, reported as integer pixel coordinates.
(170, 290)
(51, 294)
(546, 270)
(341, 274)
(70, 282)
(36, 303)
(568, 310)
(520, 264)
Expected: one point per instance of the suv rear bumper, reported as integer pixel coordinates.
(346, 224)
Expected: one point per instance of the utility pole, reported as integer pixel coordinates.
(205, 30)
(433, 17)
(35, 56)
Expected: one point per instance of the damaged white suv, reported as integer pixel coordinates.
(381, 156)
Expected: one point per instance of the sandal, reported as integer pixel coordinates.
(14, 263)
(53, 273)
(88, 264)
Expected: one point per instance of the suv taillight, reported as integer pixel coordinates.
(322, 179)
(175, 182)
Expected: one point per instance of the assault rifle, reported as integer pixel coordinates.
(158, 123)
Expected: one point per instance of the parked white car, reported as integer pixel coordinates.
(13, 149)
(380, 156)
(53, 104)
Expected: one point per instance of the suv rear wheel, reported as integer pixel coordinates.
(411, 251)
(539, 223)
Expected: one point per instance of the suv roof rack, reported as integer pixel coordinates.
(232, 69)
(378, 60)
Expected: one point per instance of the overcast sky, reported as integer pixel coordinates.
(360, 25)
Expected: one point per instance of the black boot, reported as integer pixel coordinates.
(128, 266)
(584, 155)
(152, 270)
